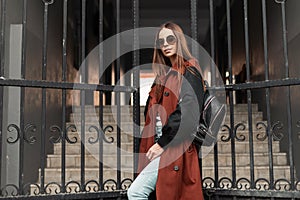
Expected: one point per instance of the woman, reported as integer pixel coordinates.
(168, 160)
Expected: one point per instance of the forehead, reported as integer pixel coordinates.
(165, 32)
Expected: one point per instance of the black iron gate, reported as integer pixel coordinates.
(34, 130)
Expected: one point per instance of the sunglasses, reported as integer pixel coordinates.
(171, 39)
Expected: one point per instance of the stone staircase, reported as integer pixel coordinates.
(108, 156)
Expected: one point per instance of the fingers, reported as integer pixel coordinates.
(154, 152)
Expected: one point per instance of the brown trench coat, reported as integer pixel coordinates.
(179, 174)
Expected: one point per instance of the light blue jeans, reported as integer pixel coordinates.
(145, 182)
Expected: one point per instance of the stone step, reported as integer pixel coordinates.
(280, 172)
(128, 126)
(243, 116)
(243, 159)
(107, 117)
(243, 147)
(129, 108)
(106, 108)
(127, 117)
(93, 149)
(92, 161)
(74, 174)
(127, 136)
(89, 126)
(224, 159)
(127, 147)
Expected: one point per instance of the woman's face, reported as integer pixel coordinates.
(167, 41)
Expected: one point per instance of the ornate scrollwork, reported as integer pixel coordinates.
(55, 129)
(261, 126)
(29, 128)
(125, 184)
(280, 1)
(241, 127)
(48, 2)
(297, 185)
(225, 183)
(276, 127)
(48, 187)
(57, 139)
(71, 128)
(262, 184)
(223, 137)
(9, 190)
(208, 182)
(110, 185)
(278, 184)
(92, 186)
(13, 128)
(209, 193)
(243, 183)
(76, 187)
(238, 137)
(33, 188)
(109, 129)
(90, 140)
(100, 134)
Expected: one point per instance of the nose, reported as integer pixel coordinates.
(165, 42)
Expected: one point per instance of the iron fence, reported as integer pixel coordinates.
(216, 187)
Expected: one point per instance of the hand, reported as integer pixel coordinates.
(154, 152)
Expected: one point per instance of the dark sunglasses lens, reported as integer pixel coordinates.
(160, 42)
(171, 39)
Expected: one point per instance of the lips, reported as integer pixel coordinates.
(167, 50)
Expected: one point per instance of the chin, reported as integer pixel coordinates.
(169, 55)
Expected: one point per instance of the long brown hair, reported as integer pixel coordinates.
(160, 63)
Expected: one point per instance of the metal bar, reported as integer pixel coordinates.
(64, 85)
(2, 47)
(2, 36)
(116, 194)
(136, 80)
(194, 25)
(82, 94)
(101, 71)
(254, 193)
(118, 102)
(110, 88)
(252, 183)
(22, 109)
(212, 41)
(229, 49)
(262, 84)
(194, 30)
(267, 91)
(82, 138)
(91, 196)
(64, 97)
(44, 93)
(288, 95)
(213, 78)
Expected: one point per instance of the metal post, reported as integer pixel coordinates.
(136, 80)
(64, 96)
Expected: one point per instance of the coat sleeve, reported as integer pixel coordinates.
(184, 120)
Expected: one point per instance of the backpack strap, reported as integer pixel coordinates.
(196, 73)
